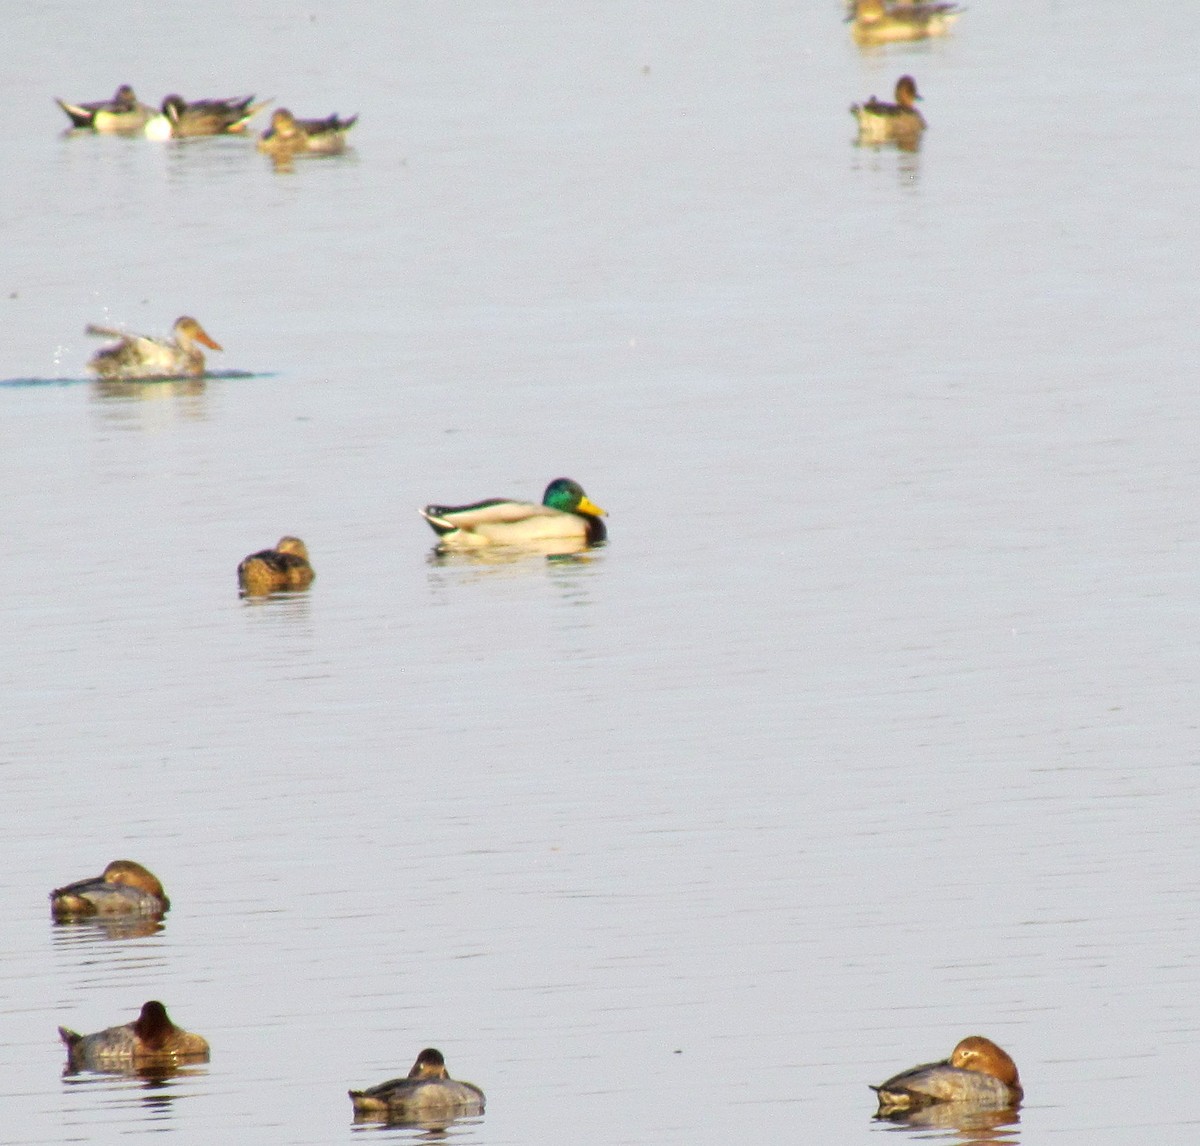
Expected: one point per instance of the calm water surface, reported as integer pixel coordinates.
(874, 726)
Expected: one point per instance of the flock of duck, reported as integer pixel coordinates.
(565, 521)
(875, 22)
(978, 1078)
(177, 118)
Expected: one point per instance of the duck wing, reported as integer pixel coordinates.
(494, 511)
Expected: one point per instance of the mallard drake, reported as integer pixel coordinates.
(898, 122)
(978, 1074)
(180, 119)
(276, 570)
(566, 512)
(288, 136)
(874, 22)
(122, 113)
(124, 888)
(141, 356)
(427, 1092)
(150, 1040)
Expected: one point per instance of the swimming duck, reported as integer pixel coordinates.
(150, 1040)
(121, 113)
(180, 119)
(124, 888)
(276, 570)
(977, 1074)
(874, 22)
(566, 512)
(140, 356)
(898, 122)
(288, 136)
(427, 1092)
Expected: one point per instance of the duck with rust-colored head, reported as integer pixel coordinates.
(280, 570)
(978, 1075)
(427, 1093)
(566, 513)
(140, 356)
(875, 22)
(124, 888)
(288, 136)
(184, 119)
(150, 1040)
(122, 113)
(898, 122)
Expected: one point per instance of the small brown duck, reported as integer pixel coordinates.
(978, 1074)
(124, 888)
(122, 113)
(876, 22)
(288, 136)
(136, 356)
(283, 569)
(427, 1093)
(150, 1040)
(182, 119)
(900, 122)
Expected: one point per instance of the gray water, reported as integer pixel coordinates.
(874, 725)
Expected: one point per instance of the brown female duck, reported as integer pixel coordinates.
(124, 888)
(141, 356)
(288, 136)
(279, 570)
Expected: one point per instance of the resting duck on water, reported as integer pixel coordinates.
(898, 122)
(566, 512)
(124, 888)
(183, 119)
(875, 22)
(278, 570)
(122, 113)
(978, 1074)
(288, 136)
(150, 1040)
(427, 1092)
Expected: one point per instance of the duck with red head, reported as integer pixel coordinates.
(427, 1093)
(151, 1040)
(978, 1074)
(124, 888)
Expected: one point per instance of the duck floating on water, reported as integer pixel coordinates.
(427, 1093)
(122, 113)
(181, 119)
(136, 356)
(282, 569)
(288, 136)
(875, 22)
(150, 1040)
(977, 1075)
(900, 122)
(124, 888)
(566, 513)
